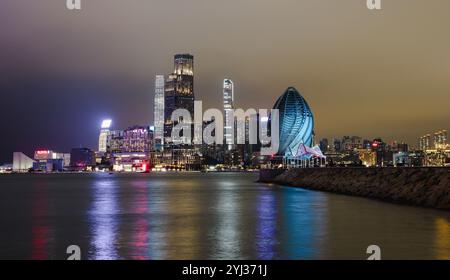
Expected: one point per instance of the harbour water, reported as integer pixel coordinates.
(204, 216)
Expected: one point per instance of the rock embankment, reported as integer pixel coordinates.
(426, 187)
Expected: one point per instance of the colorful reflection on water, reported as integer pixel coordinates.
(104, 219)
(442, 243)
(205, 216)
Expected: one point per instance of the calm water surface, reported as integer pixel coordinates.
(204, 216)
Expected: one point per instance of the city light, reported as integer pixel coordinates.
(106, 124)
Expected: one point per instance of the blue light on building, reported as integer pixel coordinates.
(296, 122)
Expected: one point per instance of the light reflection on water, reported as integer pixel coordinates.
(205, 216)
(228, 231)
(442, 246)
(104, 219)
(266, 238)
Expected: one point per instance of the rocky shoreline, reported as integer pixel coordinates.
(425, 186)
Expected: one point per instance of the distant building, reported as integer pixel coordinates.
(367, 144)
(402, 147)
(323, 144)
(49, 161)
(368, 157)
(6, 168)
(437, 157)
(440, 139)
(417, 158)
(228, 106)
(179, 92)
(104, 135)
(401, 159)
(159, 112)
(115, 141)
(425, 142)
(21, 162)
(82, 159)
(137, 139)
(384, 154)
(336, 145)
(350, 143)
(131, 149)
(296, 122)
(435, 149)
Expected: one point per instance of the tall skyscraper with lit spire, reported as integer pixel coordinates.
(228, 106)
(179, 90)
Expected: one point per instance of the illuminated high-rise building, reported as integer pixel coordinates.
(137, 139)
(425, 142)
(228, 106)
(296, 122)
(159, 112)
(440, 139)
(179, 91)
(104, 135)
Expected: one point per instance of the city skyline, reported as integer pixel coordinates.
(373, 92)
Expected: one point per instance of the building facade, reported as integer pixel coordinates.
(296, 122)
(159, 112)
(131, 148)
(228, 107)
(82, 159)
(104, 136)
(178, 92)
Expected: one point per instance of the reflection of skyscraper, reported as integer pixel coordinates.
(228, 106)
(179, 90)
(159, 112)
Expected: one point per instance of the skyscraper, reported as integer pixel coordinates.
(179, 91)
(104, 134)
(296, 122)
(228, 106)
(159, 112)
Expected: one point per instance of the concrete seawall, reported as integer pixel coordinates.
(426, 187)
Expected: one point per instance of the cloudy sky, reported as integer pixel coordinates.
(369, 73)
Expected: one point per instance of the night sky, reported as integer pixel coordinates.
(369, 73)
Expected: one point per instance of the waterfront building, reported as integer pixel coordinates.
(159, 113)
(228, 106)
(437, 157)
(21, 162)
(401, 159)
(6, 168)
(82, 159)
(416, 158)
(435, 149)
(115, 141)
(137, 139)
(131, 149)
(177, 158)
(49, 161)
(104, 135)
(296, 122)
(368, 157)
